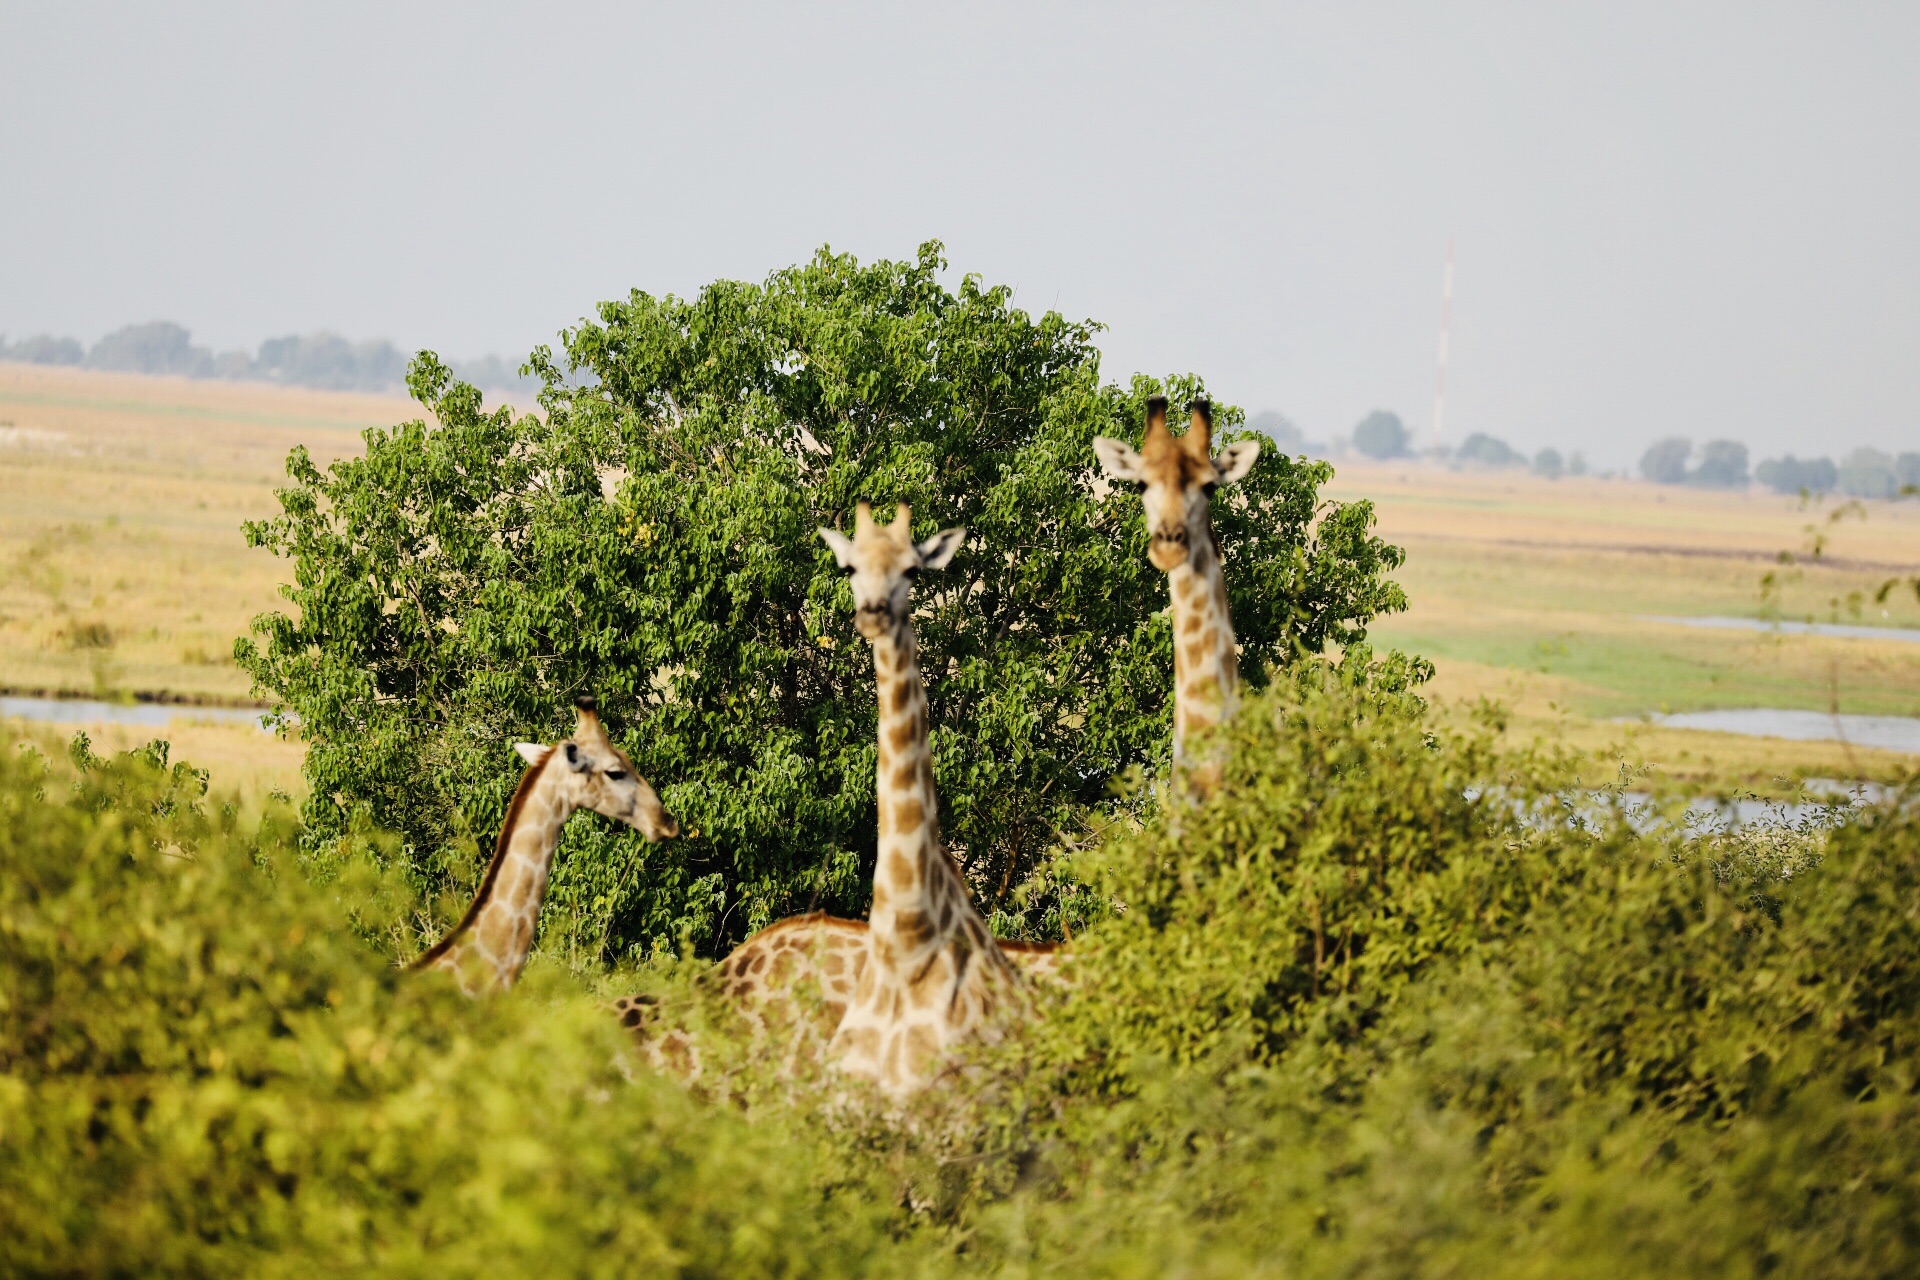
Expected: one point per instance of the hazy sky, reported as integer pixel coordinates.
(1671, 218)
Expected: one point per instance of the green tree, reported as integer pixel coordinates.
(650, 537)
(1490, 451)
(1665, 461)
(1869, 473)
(1723, 465)
(1794, 475)
(1381, 435)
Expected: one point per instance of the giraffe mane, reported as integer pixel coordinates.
(480, 899)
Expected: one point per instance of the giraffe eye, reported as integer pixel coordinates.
(614, 775)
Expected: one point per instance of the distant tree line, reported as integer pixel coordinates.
(1717, 464)
(1381, 434)
(1722, 464)
(324, 360)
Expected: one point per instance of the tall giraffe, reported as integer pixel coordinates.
(933, 974)
(488, 948)
(938, 972)
(1176, 477)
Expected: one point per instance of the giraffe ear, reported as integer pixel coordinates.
(936, 551)
(1119, 460)
(842, 546)
(533, 753)
(1236, 460)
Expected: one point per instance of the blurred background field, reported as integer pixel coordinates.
(1546, 595)
(124, 576)
(123, 572)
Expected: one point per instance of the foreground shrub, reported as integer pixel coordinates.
(1382, 1006)
(204, 1071)
(1353, 1022)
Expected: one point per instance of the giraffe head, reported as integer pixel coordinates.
(1176, 475)
(882, 560)
(594, 774)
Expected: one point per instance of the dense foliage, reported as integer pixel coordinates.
(205, 1072)
(651, 539)
(1360, 1024)
(1383, 1006)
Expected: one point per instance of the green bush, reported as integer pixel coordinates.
(1352, 1022)
(650, 538)
(205, 1072)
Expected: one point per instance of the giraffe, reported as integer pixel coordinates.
(1176, 477)
(936, 972)
(488, 948)
(933, 974)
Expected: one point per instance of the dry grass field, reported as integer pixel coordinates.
(123, 573)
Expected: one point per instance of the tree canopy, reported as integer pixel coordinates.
(1793, 475)
(1490, 451)
(649, 537)
(1381, 435)
(1723, 465)
(1665, 461)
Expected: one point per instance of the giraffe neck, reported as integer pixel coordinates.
(933, 973)
(913, 881)
(1206, 669)
(488, 948)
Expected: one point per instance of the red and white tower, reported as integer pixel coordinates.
(1446, 321)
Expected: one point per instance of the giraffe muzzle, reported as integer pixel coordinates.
(1169, 549)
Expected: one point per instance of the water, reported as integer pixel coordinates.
(1830, 804)
(150, 714)
(1894, 733)
(1705, 815)
(1841, 630)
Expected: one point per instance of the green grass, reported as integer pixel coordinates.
(1536, 594)
(1664, 669)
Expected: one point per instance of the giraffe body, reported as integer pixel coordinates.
(1176, 477)
(488, 949)
(791, 983)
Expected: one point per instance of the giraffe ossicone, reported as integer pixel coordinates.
(1176, 477)
(488, 948)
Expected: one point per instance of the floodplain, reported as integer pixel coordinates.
(124, 575)
(1552, 597)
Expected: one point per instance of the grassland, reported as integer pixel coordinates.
(1539, 593)
(123, 573)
